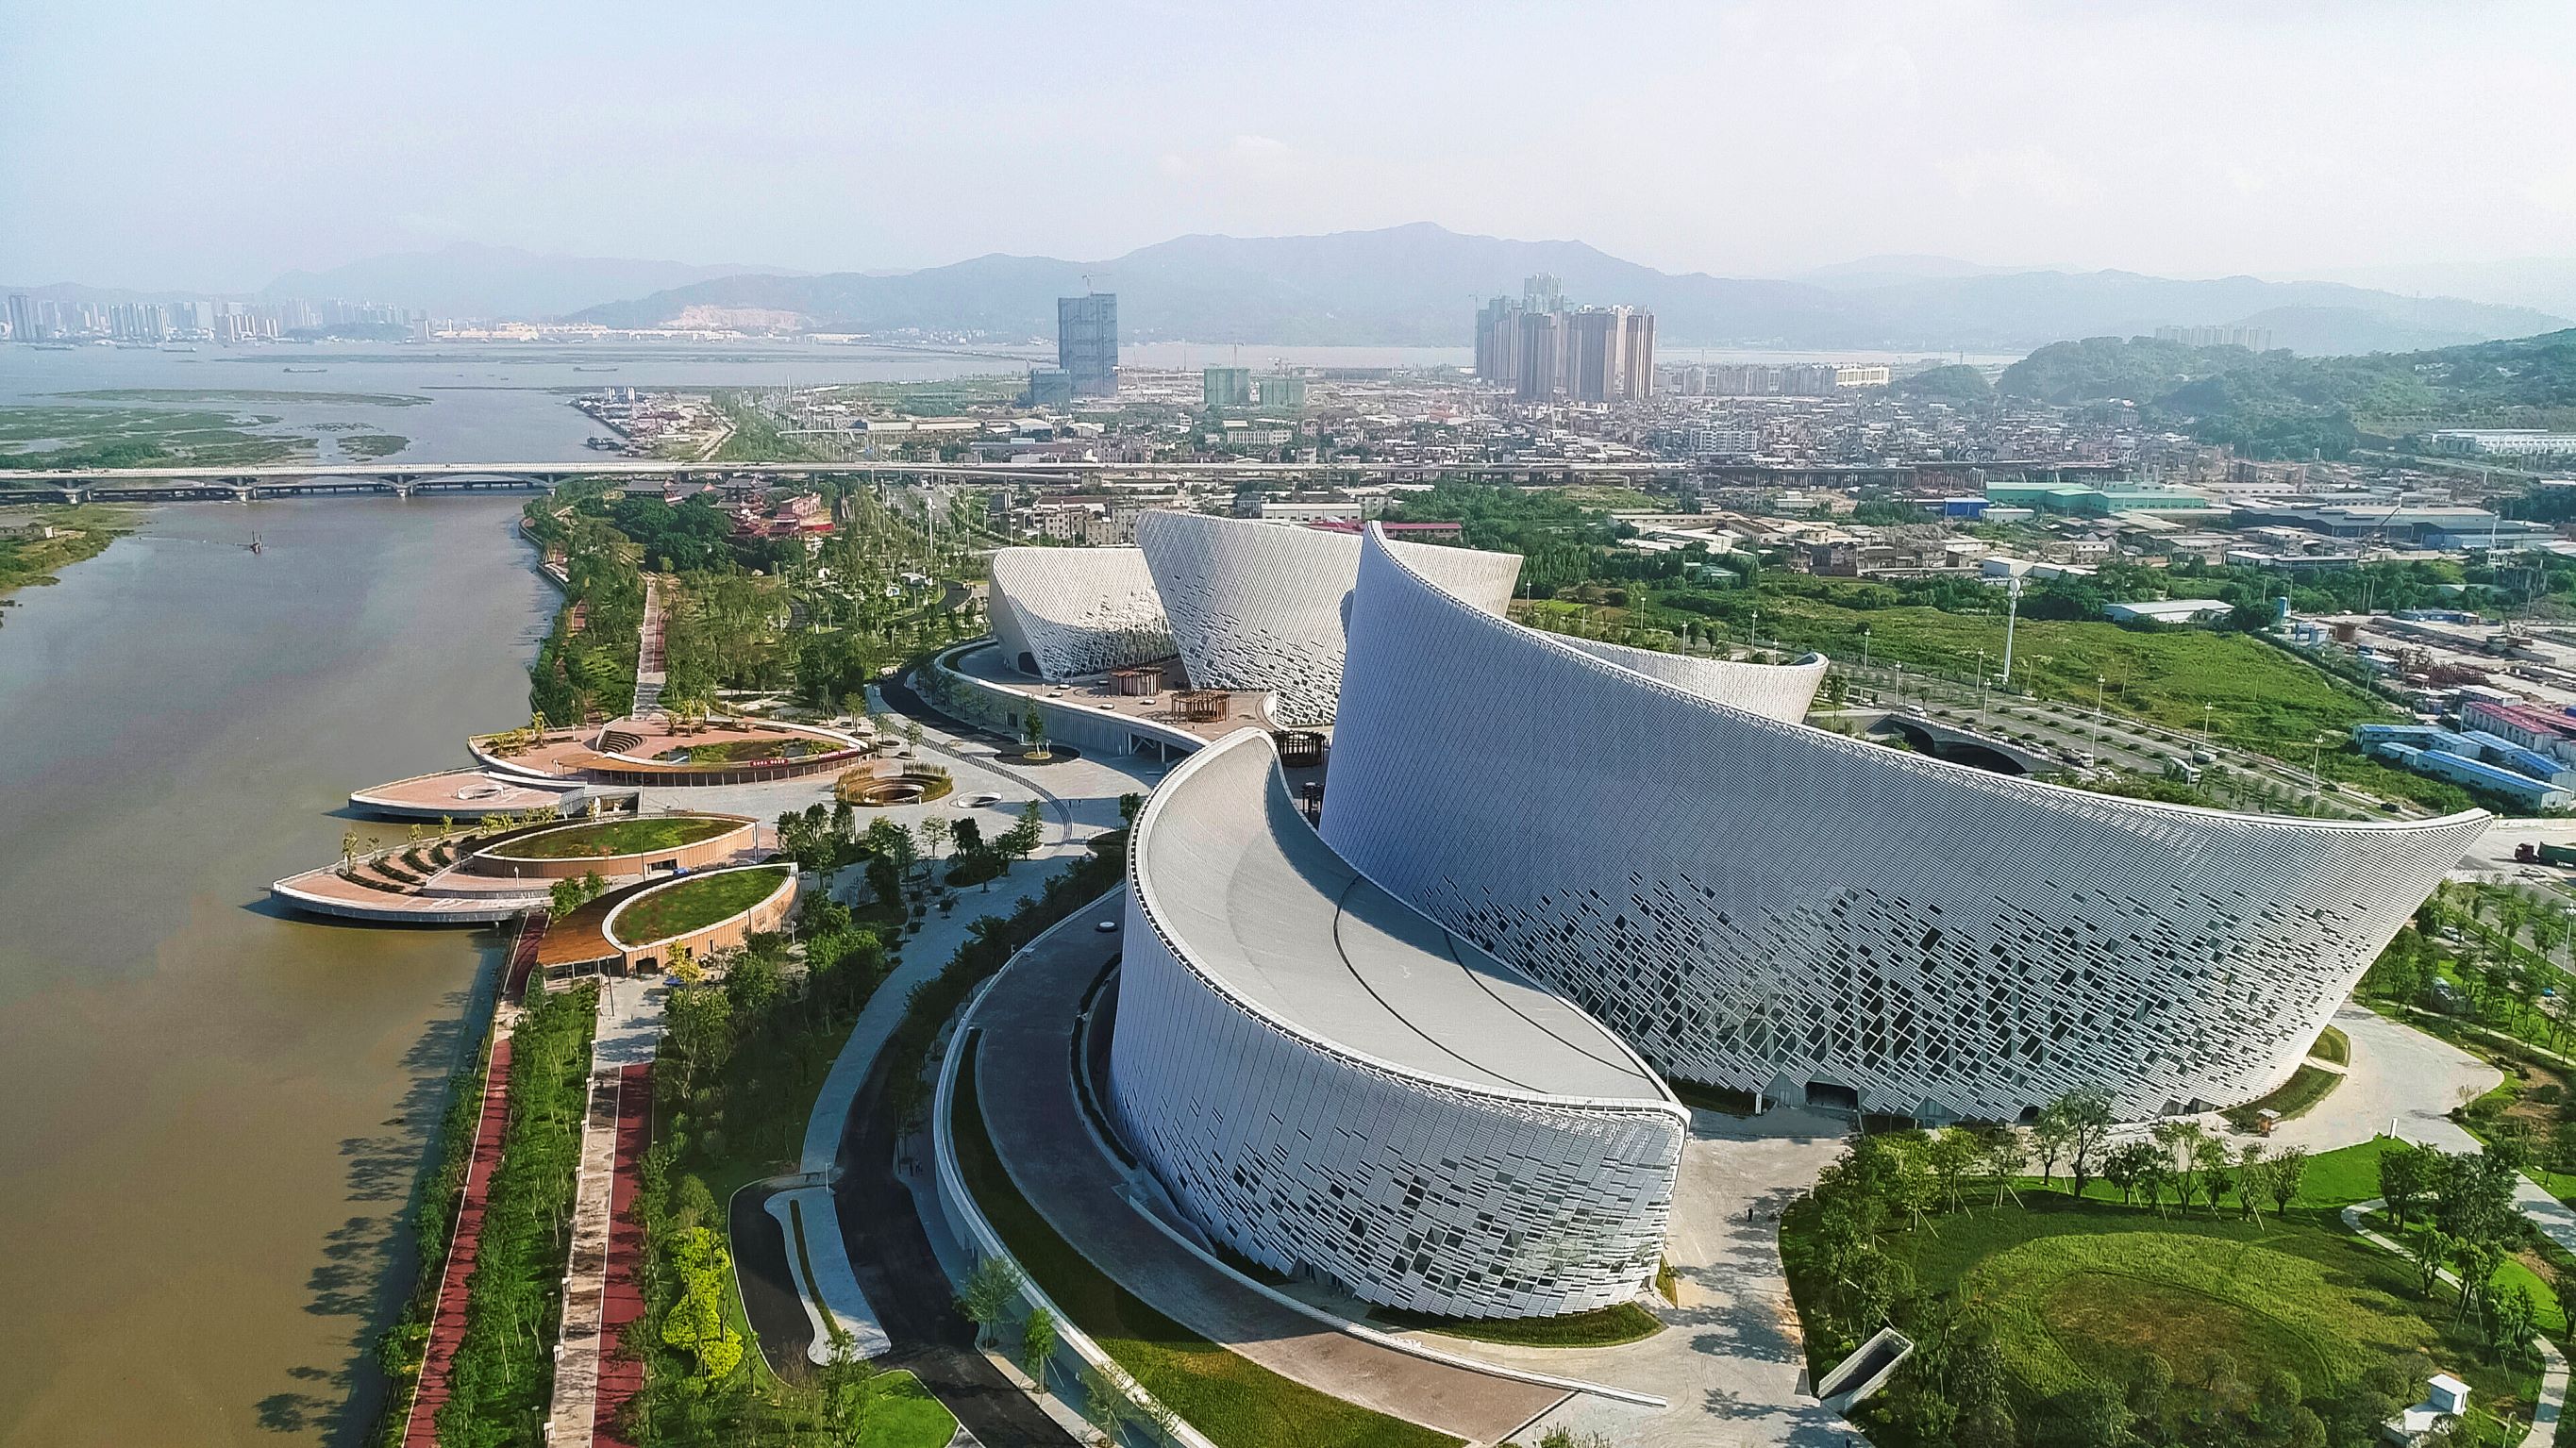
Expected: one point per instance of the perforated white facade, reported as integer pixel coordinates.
(1063, 613)
(1754, 903)
(1265, 606)
(1327, 1081)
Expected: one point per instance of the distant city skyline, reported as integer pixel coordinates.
(1743, 139)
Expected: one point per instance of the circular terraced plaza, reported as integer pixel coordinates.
(479, 878)
(668, 753)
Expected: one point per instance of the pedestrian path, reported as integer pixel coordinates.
(577, 1352)
(2553, 1363)
(447, 1318)
(621, 1374)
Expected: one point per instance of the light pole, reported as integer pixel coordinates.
(2204, 724)
(2012, 613)
(2100, 683)
(1985, 691)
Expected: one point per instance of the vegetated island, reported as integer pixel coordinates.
(245, 394)
(136, 437)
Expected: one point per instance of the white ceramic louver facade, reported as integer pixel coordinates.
(1327, 1081)
(1263, 606)
(1758, 904)
(1072, 612)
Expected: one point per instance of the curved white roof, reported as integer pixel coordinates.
(1757, 903)
(1252, 899)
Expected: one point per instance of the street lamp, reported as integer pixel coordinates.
(2204, 724)
(2100, 682)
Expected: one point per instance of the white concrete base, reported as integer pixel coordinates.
(838, 1290)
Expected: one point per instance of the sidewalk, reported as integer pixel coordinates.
(1081, 797)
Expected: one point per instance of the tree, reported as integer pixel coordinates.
(2402, 1181)
(1979, 1386)
(2088, 1125)
(2006, 1152)
(2127, 1166)
(2096, 1413)
(1105, 1405)
(1951, 1155)
(1129, 806)
(935, 832)
(2052, 1134)
(752, 983)
(700, 1022)
(1033, 732)
(849, 1384)
(2284, 1178)
(911, 736)
(1037, 1343)
(991, 1289)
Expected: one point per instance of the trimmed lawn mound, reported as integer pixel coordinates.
(2080, 1295)
(694, 904)
(616, 837)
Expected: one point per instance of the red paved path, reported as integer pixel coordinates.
(523, 954)
(621, 1374)
(447, 1321)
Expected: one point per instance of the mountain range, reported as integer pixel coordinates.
(466, 279)
(1419, 285)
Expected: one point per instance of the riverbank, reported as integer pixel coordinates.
(38, 543)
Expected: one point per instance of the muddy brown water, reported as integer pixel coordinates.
(212, 1115)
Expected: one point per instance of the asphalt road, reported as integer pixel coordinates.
(891, 1256)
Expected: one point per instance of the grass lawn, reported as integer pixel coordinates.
(2333, 1046)
(1607, 1327)
(2295, 1098)
(2333, 1179)
(2079, 1291)
(695, 903)
(617, 837)
(1236, 1402)
(905, 1415)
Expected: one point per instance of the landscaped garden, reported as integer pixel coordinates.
(695, 903)
(617, 837)
(2192, 1293)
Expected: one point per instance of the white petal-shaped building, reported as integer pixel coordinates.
(1062, 613)
(1754, 903)
(1328, 1082)
(1261, 606)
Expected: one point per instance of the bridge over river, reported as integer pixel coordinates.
(396, 479)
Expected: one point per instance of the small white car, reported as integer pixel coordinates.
(1106, 926)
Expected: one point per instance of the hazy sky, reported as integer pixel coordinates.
(212, 145)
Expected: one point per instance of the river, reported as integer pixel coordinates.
(215, 1114)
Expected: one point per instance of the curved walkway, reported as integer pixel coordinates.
(1038, 1129)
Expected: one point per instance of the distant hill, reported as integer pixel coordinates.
(1419, 285)
(469, 280)
(2278, 405)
